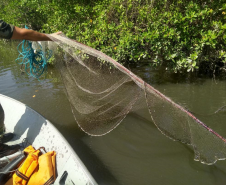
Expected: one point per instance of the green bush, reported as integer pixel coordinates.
(174, 33)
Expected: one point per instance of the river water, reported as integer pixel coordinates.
(135, 153)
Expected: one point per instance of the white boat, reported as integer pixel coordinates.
(27, 123)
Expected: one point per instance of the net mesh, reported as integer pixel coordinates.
(102, 93)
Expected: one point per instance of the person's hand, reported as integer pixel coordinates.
(57, 33)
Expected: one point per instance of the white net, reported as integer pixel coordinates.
(102, 93)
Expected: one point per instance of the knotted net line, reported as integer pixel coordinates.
(102, 93)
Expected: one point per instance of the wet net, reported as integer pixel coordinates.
(102, 93)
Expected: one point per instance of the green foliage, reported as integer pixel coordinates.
(178, 34)
(51, 60)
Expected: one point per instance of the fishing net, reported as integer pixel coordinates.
(102, 93)
(33, 57)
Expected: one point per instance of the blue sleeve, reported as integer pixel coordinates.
(6, 30)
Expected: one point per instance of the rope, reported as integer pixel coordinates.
(34, 62)
(221, 109)
(8, 171)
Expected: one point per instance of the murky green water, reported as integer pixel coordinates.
(135, 153)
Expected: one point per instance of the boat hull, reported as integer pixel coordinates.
(38, 131)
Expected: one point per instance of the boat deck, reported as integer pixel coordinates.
(39, 132)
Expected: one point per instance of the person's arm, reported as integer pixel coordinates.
(8, 31)
(26, 34)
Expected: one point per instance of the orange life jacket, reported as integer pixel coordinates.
(45, 173)
(24, 172)
(35, 170)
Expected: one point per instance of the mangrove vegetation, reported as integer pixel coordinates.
(177, 34)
